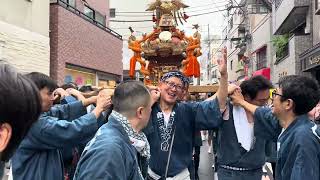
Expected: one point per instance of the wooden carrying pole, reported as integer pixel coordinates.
(204, 89)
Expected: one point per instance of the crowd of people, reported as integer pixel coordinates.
(137, 132)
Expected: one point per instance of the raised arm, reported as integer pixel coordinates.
(222, 92)
(51, 132)
(154, 92)
(266, 125)
(238, 99)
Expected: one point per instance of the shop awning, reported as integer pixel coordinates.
(263, 72)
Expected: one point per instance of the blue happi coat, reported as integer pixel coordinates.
(38, 156)
(231, 153)
(188, 117)
(298, 146)
(109, 155)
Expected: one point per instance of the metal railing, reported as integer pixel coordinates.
(280, 55)
(87, 18)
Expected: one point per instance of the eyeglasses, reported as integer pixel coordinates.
(262, 101)
(274, 94)
(173, 85)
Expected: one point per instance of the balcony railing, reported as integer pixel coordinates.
(280, 55)
(87, 18)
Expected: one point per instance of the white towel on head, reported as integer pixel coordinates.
(243, 128)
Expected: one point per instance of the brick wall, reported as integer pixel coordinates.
(26, 50)
(77, 41)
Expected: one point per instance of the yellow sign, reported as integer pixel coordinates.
(270, 91)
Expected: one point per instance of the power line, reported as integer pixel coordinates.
(215, 5)
(145, 15)
(133, 15)
(130, 20)
(151, 27)
(150, 12)
(206, 5)
(205, 9)
(151, 20)
(133, 12)
(207, 13)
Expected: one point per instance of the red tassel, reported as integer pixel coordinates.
(154, 19)
(185, 16)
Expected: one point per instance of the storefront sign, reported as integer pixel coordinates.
(79, 77)
(282, 74)
(314, 60)
(311, 60)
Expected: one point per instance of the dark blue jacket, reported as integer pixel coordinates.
(38, 156)
(231, 153)
(109, 156)
(298, 147)
(189, 118)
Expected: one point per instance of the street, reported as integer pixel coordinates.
(206, 161)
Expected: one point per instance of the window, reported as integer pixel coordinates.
(231, 64)
(100, 18)
(94, 15)
(112, 12)
(89, 12)
(257, 7)
(214, 74)
(262, 58)
(317, 7)
(69, 2)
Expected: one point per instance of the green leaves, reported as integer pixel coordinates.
(281, 43)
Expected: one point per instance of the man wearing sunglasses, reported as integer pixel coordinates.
(287, 123)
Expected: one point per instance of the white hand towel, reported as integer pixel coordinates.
(243, 128)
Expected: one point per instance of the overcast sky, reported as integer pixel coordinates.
(215, 20)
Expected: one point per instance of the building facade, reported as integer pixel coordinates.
(292, 29)
(24, 34)
(83, 49)
(209, 73)
(235, 45)
(310, 59)
(260, 41)
(249, 39)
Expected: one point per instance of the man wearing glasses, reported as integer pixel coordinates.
(172, 124)
(287, 123)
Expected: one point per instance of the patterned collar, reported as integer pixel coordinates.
(166, 131)
(138, 140)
